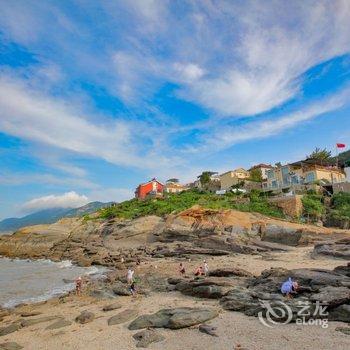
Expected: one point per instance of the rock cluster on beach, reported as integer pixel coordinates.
(246, 294)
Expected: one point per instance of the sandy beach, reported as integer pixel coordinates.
(233, 328)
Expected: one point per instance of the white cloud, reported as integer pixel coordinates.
(253, 54)
(66, 200)
(266, 55)
(35, 116)
(190, 71)
(225, 136)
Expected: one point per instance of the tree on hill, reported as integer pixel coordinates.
(320, 154)
(173, 180)
(205, 177)
(256, 175)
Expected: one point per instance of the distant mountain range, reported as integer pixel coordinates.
(49, 216)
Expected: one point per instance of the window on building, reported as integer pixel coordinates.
(310, 177)
(295, 179)
(270, 174)
(285, 170)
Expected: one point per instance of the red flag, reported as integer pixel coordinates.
(340, 145)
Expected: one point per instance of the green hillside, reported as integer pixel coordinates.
(254, 202)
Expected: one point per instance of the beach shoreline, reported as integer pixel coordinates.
(232, 327)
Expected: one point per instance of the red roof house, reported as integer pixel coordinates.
(150, 188)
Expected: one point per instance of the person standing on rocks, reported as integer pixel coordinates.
(78, 285)
(130, 276)
(205, 268)
(182, 269)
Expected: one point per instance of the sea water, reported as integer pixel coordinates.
(28, 281)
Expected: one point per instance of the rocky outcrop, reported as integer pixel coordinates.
(59, 324)
(230, 272)
(10, 346)
(281, 234)
(10, 329)
(340, 313)
(111, 307)
(85, 317)
(174, 318)
(122, 317)
(207, 329)
(210, 288)
(34, 321)
(337, 249)
(326, 287)
(118, 242)
(147, 337)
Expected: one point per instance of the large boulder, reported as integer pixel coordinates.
(332, 296)
(10, 346)
(281, 234)
(33, 321)
(239, 299)
(59, 324)
(174, 318)
(10, 329)
(337, 249)
(309, 279)
(121, 289)
(111, 307)
(343, 269)
(316, 286)
(122, 317)
(85, 317)
(230, 272)
(340, 313)
(210, 288)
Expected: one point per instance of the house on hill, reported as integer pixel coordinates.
(306, 172)
(233, 177)
(173, 186)
(264, 168)
(152, 188)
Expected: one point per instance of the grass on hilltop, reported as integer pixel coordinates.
(174, 203)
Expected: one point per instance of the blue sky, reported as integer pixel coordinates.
(98, 96)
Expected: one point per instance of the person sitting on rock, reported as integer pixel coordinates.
(182, 269)
(130, 276)
(78, 285)
(289, 287)
(199, 271)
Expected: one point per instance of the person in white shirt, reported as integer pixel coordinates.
(205, 268)
(130, 275)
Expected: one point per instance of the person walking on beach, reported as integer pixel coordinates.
(78, 285)
(130, 276)
(182, 269)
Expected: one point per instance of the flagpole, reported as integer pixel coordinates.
(337, 155)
